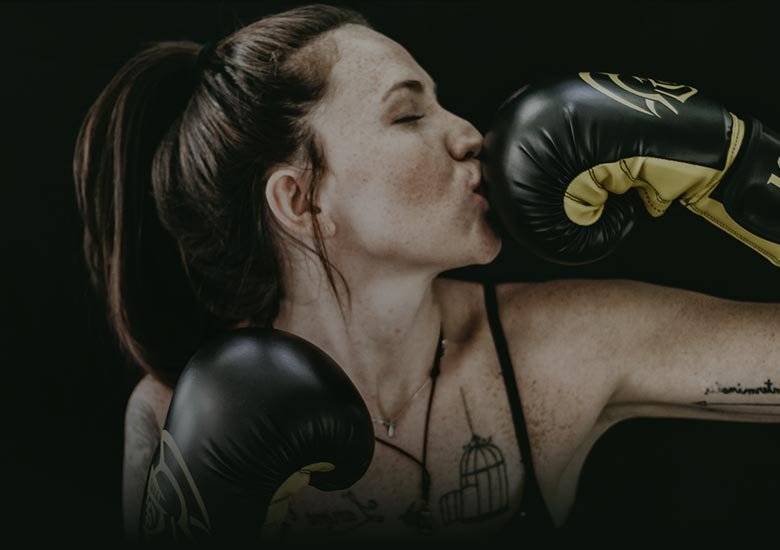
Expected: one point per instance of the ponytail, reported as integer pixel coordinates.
(170, 167)
(133, 262)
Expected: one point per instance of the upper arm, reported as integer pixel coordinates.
(695, 355)
(144, 419)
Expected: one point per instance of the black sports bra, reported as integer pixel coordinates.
(533, 513)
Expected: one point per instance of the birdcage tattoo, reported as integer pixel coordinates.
(483, 491)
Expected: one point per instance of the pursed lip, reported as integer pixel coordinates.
(479, 187)
(473, 185)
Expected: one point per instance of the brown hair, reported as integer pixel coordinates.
(170, 167)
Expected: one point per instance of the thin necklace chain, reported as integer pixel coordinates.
(391, 421)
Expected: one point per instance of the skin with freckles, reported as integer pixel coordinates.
(396, 208)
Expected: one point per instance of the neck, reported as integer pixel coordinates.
(387, 341)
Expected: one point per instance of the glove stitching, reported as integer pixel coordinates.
(658, 196)
(642, 191)
(575, 198)
(596, 181)
(731, 155)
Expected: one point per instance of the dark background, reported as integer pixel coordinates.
(64, 402)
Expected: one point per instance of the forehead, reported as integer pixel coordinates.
(368, 63)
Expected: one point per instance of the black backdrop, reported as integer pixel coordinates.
(64, 403)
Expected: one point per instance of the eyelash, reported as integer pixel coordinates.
(409, 119)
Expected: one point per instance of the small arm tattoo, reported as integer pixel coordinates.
(738, 392)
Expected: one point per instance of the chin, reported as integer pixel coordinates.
(493, 253)
(489, 248)
(493, 242)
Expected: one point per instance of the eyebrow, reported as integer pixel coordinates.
(413, 85)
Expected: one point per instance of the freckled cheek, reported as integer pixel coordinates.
(424, 191)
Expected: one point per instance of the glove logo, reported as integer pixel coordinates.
(173, 507)
(639, 93)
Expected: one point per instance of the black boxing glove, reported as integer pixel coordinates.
(561, 155)
(256, 415)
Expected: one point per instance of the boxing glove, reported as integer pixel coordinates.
(560, 157)
(256, 415)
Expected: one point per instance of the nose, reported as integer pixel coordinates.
(465, 140)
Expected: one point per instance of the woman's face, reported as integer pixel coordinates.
(398, 190)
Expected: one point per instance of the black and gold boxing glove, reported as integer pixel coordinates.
(257, 414)
(561, 155)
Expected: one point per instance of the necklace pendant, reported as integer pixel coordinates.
(390, 429)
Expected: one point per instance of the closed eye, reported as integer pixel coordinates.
(408, 119)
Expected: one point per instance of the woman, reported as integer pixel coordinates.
(309, 133)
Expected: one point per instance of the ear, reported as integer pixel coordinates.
(285, 192)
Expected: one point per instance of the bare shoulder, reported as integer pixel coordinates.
(574, 313)
(573, 339)
(563, 327)
(562, 338)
